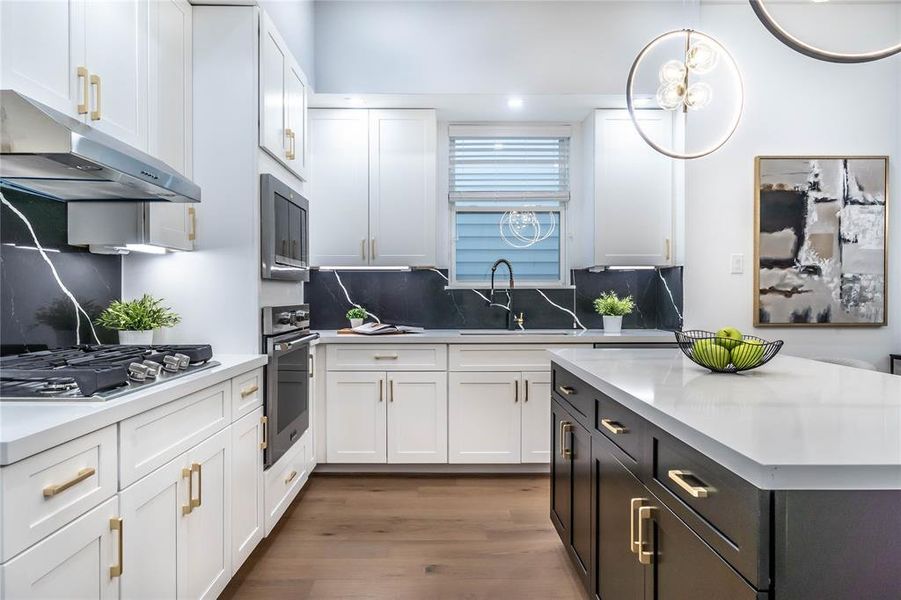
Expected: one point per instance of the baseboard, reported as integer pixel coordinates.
(433, 469)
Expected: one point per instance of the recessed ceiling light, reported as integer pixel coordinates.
(514, 103)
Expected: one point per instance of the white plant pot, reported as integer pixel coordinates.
(613, 324)
(136, 338)
(356, 322)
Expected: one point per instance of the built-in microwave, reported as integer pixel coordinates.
(284, 227)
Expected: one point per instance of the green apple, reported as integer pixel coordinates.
(747, 355)
(728, 337)
(710, 354)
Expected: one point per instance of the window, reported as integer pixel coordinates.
(508, 192)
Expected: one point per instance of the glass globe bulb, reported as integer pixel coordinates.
(670, 96)
(673, 71)
(698, 96)
(701, 58)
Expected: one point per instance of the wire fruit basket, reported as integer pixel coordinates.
(726, 355)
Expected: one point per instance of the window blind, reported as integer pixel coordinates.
(509, 168)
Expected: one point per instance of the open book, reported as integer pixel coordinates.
(384, 329)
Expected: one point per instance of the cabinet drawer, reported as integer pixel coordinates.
(501, 357)
(247, 393)
(726, 511)
(411, 357)
(153, 438)
(284, 480)
(623, 427)
(570, 389)
(48, 490)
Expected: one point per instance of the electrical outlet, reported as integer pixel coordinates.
(737, 264)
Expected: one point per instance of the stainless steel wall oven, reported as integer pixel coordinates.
(286, 340)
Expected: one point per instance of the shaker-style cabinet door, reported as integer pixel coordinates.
(356, 417)
(207, 568)
(484, 417)
(170, 117)
(74, 562)
(42, 53)
(536, 412)
(273, 61)
(247, 486)
(296, 90)
(417, 417)
(339, 187)
(116, 57)
(633, 190)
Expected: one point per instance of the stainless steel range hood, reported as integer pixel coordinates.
(49, 153)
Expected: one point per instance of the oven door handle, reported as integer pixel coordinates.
(281, 347)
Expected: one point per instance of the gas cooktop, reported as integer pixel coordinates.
(97, 372)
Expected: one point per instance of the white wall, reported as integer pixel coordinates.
(484, 47)
(794, 105)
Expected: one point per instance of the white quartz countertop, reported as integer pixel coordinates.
(500, 336)
(27, 428)
(792, 424)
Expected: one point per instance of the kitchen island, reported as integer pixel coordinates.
(671, 481)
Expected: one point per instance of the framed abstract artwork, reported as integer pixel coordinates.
(821, 241)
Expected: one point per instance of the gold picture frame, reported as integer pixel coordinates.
(759, 172)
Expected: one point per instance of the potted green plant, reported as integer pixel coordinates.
(356, 316)
(612, 308)
(135, 320)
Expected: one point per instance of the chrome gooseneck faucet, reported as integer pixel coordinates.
(511, 321)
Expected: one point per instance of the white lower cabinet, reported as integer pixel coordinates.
(285, 478)
(536, 416)
(484, 417)
(74, 562)
(177, 526)
(417, 417)
(355, 413)
(247, 488)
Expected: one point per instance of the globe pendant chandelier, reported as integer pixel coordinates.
(682, 86)
(523, 228)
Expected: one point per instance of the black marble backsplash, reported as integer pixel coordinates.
(419, 298)
(35, 314)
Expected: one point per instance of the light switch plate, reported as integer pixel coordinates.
(737, 264)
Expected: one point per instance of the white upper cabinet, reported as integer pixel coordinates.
(633, 190)
(42, 53)
(283, 101)
(402, 171)
(339, 186)
(373, 177)
(169, 99)
(116, 57)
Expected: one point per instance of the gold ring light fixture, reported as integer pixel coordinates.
(798, 45)
(683, 88)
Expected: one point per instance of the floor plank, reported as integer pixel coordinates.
(413, 537)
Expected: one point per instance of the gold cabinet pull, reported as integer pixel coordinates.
(265, 443)
(525, 387)
(118, 524)
(290, 477)
(634, 504)
(363, 248)
(82, 75)
(614, 427)
(96, 114)
(250, 390)
(666, 248)
(386, 356)
(696, 491)
(391, 390)
(289, 153)
(372, 248)
(53, 490)
(645, 513)
(195, 502)
(567, 451)
(516, 390)
(566, 390)
(192, 217)
(187, 508)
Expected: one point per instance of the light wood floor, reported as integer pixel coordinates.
(420, 538)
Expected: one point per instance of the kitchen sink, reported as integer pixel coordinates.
(505, 332)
